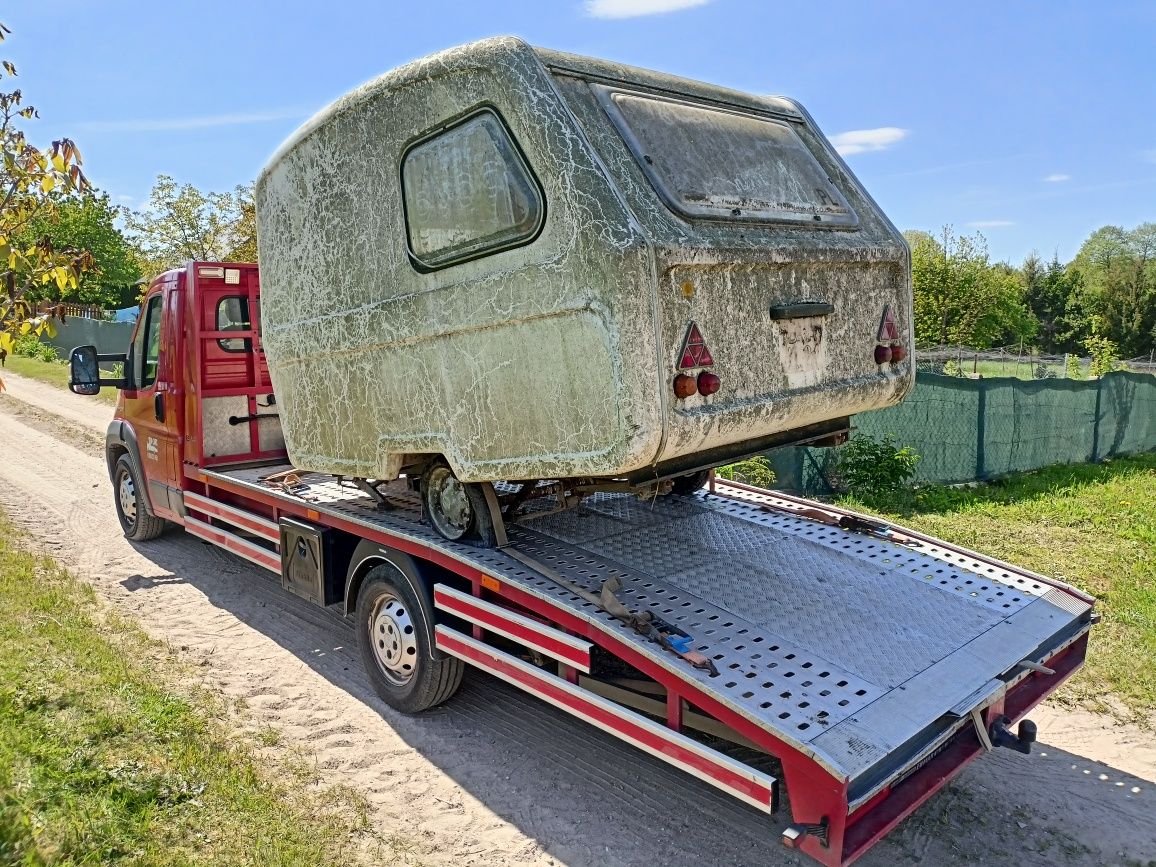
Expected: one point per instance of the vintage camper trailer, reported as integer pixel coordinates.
(507, 263)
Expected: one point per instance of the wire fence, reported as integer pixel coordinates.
(977, 429)
(1019, 362)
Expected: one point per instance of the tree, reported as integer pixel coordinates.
(245, 229)
(1047, 292)
(181, 223)
(960, 297)
(1117, 270)
(28, 178)
(88, 222)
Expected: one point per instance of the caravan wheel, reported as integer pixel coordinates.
(457, 510)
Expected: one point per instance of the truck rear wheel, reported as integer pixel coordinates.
(456, 510)
(138, 523)
(396, 639)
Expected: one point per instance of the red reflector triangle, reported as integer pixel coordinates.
(888, 330)
(694, 350)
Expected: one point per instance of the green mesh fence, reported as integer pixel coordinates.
(969, 429)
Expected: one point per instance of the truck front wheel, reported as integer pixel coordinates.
(396, 639)
(138, 523)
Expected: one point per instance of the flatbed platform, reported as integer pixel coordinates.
(862, 653)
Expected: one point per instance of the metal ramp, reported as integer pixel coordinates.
(857, 651)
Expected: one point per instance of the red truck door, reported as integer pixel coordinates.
(151, 401)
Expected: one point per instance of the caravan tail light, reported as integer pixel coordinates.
(685, 386)
(708, 383)
(889, 348)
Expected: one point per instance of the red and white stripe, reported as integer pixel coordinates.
(516, 627)
(748, 785)
(232, 542)
(255, 524)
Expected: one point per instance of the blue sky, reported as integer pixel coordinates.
(1034, 122)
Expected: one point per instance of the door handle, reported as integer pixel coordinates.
(801, 309)
(159, 406)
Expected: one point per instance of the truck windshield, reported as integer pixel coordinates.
(711, 163)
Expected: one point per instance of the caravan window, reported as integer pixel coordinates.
(717, 164)
(468, 191)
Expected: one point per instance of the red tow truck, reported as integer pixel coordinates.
(862, 664)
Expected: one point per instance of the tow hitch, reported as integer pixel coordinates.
(1001, 735)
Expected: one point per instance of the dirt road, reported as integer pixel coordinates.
(496, 777)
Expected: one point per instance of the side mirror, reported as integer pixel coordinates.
(84, 370)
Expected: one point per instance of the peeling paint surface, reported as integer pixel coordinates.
(553, 358)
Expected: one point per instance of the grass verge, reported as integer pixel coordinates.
(106, 759)
(1091, 525)
(52, 372)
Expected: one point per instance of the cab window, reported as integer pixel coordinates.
(147, 346)
(233, 315)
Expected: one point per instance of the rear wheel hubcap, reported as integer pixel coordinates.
(394, 640)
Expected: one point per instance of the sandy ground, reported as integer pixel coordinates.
(496, 777)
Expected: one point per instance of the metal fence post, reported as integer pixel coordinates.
(1096, 421)
(980, 427)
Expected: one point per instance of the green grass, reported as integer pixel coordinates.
(1024, 369)
(1021, 370)
(106, 759)
(1093, 526)
(52, 372)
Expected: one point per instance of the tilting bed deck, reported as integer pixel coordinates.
(872, 663)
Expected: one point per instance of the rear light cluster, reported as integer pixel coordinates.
(890, 354)
(706, 384)
(695, 354)
(889, 349)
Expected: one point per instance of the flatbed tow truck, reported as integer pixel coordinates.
(864, 664)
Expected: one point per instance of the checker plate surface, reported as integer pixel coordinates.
(807, 624)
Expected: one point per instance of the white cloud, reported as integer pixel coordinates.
(183, 123)
(857, 141)
(637, 8)
(1056, 177)
(991, 224)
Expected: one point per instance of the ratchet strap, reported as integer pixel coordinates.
(666, 635)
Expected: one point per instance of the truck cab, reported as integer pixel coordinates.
(194, 389)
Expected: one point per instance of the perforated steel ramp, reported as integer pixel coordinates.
(861, 652)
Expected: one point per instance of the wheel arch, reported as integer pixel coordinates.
(120, 440)
(421, 576)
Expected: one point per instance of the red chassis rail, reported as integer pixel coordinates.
(816, 796)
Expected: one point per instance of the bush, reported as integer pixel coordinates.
(29, 346)
(754, 471)
(873, 469)
(1105, 356)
